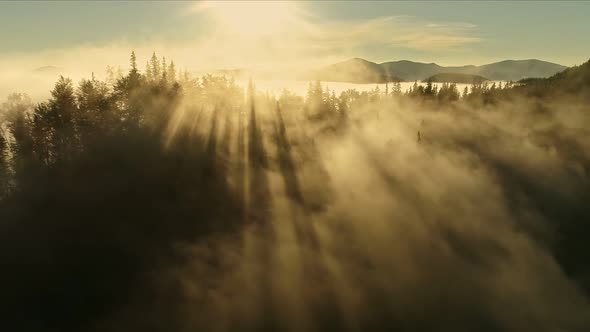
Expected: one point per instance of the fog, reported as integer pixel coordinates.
(208, 205)
(137, 195)
(369, 228)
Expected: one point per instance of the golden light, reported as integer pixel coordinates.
(252, 18)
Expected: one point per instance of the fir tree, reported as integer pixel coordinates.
(148, 72)
(155, 64)
(171, 72)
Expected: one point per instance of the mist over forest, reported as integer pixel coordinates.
(158, 201)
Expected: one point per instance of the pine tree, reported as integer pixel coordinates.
(148, 72)
(111, 78)
(133, 62)
(375, 93)
(396, 89)
(429, 91)
(17, 108)
(62, 109)
(172, 72)
(95, 115)
(41, 133)
(164, 79)
(155, 64)
(334, 101)
(414, 89)
(454, 93)
(3, 163)
(134, 75)
(314, 99)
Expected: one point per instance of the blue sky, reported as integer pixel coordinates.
(448, 33)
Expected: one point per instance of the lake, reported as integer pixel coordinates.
(275, 87)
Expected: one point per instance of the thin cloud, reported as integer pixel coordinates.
(399, 31)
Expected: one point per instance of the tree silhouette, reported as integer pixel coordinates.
(396, 90)
(17, 108)
(134, 75)
(133, 62)
(171, 72)
(148, 72)
(4, 170)
(61, 118)
(155, 67)
(164, 81)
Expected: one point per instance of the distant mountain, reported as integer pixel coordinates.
(353, 71)
(456, 78)
(363, 71)
(413, 71)
(519, 69)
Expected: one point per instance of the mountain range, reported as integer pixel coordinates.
(359, 70)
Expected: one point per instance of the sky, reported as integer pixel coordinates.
(205, 35)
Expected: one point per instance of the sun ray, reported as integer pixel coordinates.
(251, 18)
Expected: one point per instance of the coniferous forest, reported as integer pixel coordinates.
(161, 201)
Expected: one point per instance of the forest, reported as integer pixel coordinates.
(160, 201)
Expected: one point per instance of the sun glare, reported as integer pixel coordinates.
(252, 18)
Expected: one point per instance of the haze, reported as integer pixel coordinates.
(294, 166)
(279, 37)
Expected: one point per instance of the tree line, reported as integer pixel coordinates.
(77, 119)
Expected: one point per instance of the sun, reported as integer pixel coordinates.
(252, 18)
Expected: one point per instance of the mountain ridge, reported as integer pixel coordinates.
(359, 70)
(456, 78)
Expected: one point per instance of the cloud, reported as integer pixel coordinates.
(303, 39)
(397, 31)
(199, 7)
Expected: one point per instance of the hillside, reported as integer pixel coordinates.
(412, 71)
(518, 69)
(574, 80)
